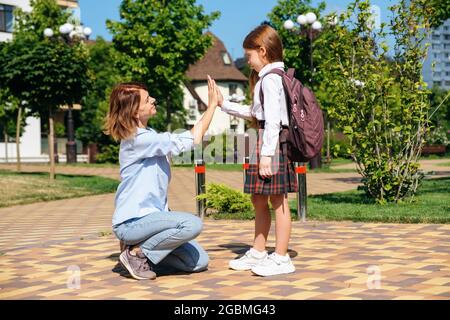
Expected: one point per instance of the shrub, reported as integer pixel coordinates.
(225, 200)
(109, 154)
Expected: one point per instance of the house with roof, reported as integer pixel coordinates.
(218, 64)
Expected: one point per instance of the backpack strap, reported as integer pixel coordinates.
(276, 71)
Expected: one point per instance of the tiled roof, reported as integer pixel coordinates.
(213, 64)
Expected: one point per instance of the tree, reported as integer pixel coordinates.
(382, 105)
(439, 117)
(46, 73)
(157, 40)
(441, 12)
(95, 104)
(12, 115)
(11, 122)
(297, 48)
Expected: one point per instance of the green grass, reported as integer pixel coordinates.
(430, 205)
(435, 157)
(23, 188)
(214, 166)
(89, 165)
(238, 167)
(445, 164)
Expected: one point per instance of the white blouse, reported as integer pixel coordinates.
(274, 113)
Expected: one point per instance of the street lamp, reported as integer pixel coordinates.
(310, 27)
(69, 33)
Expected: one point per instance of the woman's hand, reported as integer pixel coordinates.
(213, 97)
(265, 167)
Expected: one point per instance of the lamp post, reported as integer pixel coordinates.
(70, 33)
(310, 27)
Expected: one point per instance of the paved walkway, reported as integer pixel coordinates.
(44, 247)
(333, 261)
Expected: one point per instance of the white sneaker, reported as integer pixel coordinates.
(250, 259)
(273, 265)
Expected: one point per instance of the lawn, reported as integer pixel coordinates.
(23, 188)
(430, 205)
(238, 167)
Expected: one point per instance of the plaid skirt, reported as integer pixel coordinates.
(284, 179)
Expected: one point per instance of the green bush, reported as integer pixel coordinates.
(109, 154)
(225, 200)
(339, 146)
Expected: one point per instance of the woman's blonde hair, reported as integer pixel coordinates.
(263, 36)
(124, 102)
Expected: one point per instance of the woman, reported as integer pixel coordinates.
(154, 236)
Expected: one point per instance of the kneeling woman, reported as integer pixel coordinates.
(155, 238)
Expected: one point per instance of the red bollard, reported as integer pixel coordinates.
(200, 188)
(300, 169)
(246, 166)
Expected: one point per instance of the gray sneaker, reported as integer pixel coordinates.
(138, 265)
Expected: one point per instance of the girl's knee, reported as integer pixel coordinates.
(259, 199)
(277, 200)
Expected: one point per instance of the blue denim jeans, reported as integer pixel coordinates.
(166, 239)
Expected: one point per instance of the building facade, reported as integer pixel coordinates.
(218, 64)
(436, 68)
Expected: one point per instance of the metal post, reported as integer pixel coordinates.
(245, 166)
(300, 169)
(200, 188)
(71, 146)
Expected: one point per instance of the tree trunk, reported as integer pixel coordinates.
(19, 116)
(169, 114)
(51, 146)
(6, 145)
(328, 142)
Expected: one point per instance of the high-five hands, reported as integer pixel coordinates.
(214, 95)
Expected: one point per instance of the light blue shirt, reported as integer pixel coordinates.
(145, 172)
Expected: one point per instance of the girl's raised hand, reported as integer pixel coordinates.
(219, 96)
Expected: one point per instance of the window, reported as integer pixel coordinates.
(436, 37)
(232, 88)
(447, 37)
(6, 18)
(447, 83)
(447, 73)
(226, 58)
(436, 83)
(437, 74)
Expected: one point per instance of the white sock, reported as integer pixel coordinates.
(284, 258)
(257, 254)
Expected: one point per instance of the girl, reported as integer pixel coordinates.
(271, 176)
(154, 236)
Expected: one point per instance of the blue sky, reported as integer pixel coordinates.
(238, 17)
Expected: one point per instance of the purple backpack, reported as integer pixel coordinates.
(306, 130)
